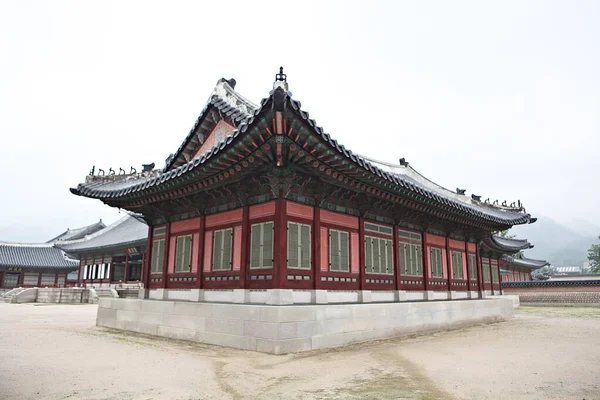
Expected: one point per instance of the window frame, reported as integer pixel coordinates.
(261, 257)
(457, 258)
(387, 257)
(338, 268)
(157, 260)
(223, 233)
(435, 249)
(180, 262)
(300, 259)
(472, 266)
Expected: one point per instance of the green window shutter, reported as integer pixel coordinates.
(293, 245)
(227, 239)
(161, 255)
(403, 263)
(217, 256)
(368, 254)
(304, 246)
(419, 259)
(187, 265)
(376, 256)
(267, 247)
(178, 253)
(333, 250)
(344, 250)
(389, 248)
(255, 246)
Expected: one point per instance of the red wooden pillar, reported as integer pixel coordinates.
(125, 278)
(200, 267)
(148, 260)
(316, 253)
(2, 273)
(280, 253)
(468, 269)
(425, 262)
(81, 264)
(361, 253)
(499, 277)
(448, 263)
(166, 257)
(480, 286)
(491, 276)
(39, 284)
(396, 258)
(21, 277)
(245, 256)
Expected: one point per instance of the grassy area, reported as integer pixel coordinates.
(561, 312)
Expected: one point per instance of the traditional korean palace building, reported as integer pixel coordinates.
(34, 265)
(259, 197)
(111, 256)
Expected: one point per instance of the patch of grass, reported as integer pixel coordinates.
(561, 312)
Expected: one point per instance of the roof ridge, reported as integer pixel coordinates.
(97, 233)
(25, 244)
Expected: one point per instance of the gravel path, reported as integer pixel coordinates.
(56, 352)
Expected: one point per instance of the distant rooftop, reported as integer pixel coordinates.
(78, 233)
(126, 232)
(31, 255)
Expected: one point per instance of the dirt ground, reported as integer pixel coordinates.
(56, 352)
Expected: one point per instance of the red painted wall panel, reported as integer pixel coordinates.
(437, 241)
(299, 210)
(224, 218)
(219, 132)
(195, 251)
(472, 247)
(262, 210)
(456, 244)
(187, 225)
(324, 250)
(339, 219)
(171, 264)
(207, 251)
(237, 248)
(354, 256)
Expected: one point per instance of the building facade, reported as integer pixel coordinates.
(111, 256)
(259, 197)
(34, 265)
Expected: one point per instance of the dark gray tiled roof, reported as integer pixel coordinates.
(126, 232)
(485, 212)
(503, 245)
(512, 243)
(78, 233)
(525, 262)
(34, 256)
(229, 102)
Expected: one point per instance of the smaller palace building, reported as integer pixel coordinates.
(34, 265)
(111, 256)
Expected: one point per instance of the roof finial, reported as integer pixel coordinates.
(281, 76)
(280, 80)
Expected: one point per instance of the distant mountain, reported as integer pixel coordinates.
(557, 243)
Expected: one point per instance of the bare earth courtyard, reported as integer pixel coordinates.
(56, 352)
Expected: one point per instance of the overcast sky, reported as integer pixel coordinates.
(501, 98)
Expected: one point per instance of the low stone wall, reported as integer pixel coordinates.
(555, 291)
(561, 297)
(294, 328)
(290, 296)
(55, 295)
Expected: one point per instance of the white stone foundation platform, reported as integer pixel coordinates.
(294, 328)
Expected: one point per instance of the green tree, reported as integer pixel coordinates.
(594, 257)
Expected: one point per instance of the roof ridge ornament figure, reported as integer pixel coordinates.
(280, 80)
(281, 76)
